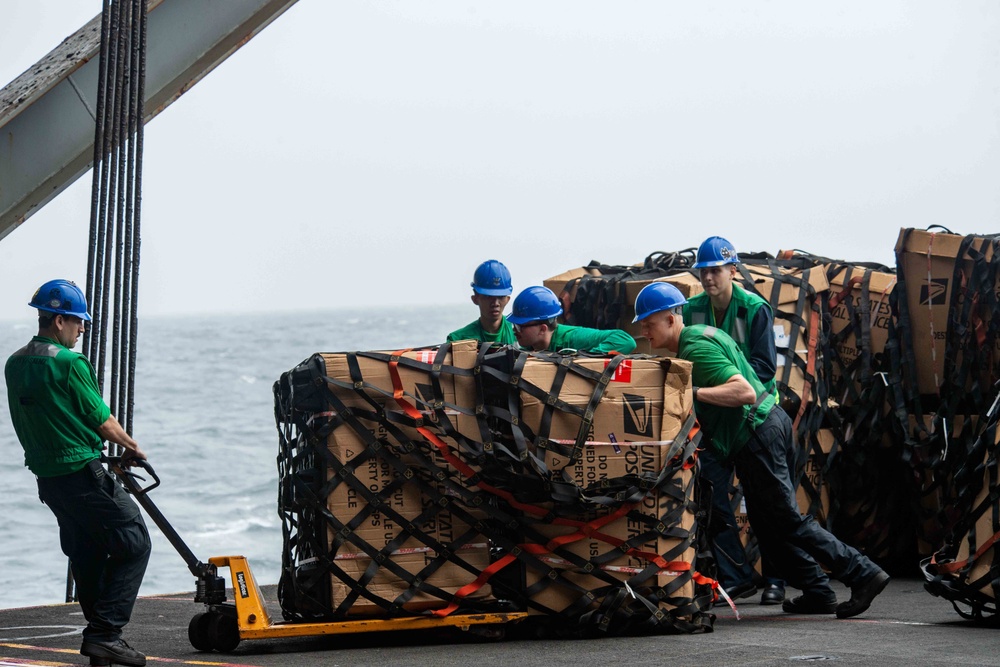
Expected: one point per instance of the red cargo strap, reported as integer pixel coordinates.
(955, 566)
(484, 576)
(842, 294)
(587, 529)
(431, 437)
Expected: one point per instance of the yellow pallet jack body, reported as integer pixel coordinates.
(223, 625)
(253, 622)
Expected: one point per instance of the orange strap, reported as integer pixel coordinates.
(585, 529)
(955, 566)
(842, 294)
(431, 437)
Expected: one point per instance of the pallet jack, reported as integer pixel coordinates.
(223, 625)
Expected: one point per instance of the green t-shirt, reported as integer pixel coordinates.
(55, 406)
(716, 358)
(475, 331)
(594, 341)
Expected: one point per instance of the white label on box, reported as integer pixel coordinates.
(780, 337)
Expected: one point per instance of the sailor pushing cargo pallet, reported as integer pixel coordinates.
(745, 426)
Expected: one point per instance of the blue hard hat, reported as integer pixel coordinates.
(655, 297)
(715, 251)
(62, 297)
(534, 304)
(492, 279)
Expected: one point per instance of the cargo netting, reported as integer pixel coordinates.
(886, 372)
(945, 359)
(467, 478)
(967, 570)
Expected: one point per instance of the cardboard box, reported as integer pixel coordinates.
(602, 461)
(927, 261)
(417, 384)
(985, 528)
(787, 292)
(558, 283)
(688, 284)
(819, 451)
(935, 498)
(791, 340)
(646, 399)
(641, 411)
(402, 502)
(880, 286)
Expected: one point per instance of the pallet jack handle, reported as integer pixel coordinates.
(210, 588)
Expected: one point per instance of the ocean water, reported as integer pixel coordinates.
(204, 416)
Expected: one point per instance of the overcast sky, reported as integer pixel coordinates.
(373, 153)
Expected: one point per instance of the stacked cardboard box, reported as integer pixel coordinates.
(852, 287)
(408, 526)
(620, 289)
(936, 443)
(977, 549)
(634, 434)
(577, 474)
(570, 278)
(794, 297)
(931, 263)
(967, 569)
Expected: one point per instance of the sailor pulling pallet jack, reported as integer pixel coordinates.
(62, 420)
(747, 430)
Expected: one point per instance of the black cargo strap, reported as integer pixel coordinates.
(599, 300)
(932, 446)
(974, 581)
(510, 459)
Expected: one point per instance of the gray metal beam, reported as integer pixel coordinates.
(47, 113)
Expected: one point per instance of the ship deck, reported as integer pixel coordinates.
(905, 626)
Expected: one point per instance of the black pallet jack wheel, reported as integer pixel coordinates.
(224, 632)
(198, 631)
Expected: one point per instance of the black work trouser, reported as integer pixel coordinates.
(796, 542)
(730, 557)
(105, 538)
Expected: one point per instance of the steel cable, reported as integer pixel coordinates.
(113, 253)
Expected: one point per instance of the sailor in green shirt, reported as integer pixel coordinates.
(491, 289)
(534, 319)
(745, 429)
(62, 422)
(747, 318)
